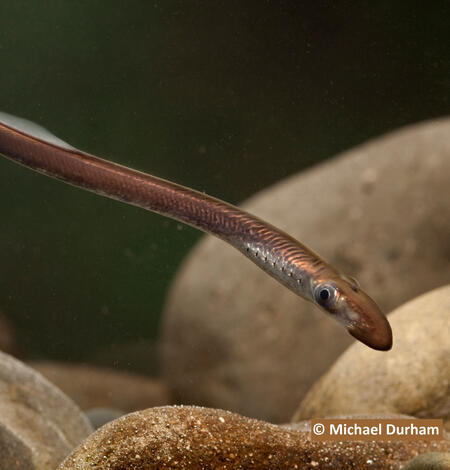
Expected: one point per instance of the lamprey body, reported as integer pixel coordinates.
(284, 258)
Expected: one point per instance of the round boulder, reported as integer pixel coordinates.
(412, 379)
(430, 461)
(234, 338)
(39, 425)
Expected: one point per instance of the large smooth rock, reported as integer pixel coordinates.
(97, 387)
(39, 425)
(430, 461)
(14, 454)
(234, 338)
(201, 438)
(413, 379)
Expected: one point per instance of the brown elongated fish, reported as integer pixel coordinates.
(284, 258)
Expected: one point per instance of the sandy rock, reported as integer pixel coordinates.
(234, 338)
(413, 378)
(39, 425)
(95, 387)
(430, 461)
(201, 438)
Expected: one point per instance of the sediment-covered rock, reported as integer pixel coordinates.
(201, 438)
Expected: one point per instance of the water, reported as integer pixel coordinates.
(227, 98)
(222, 98)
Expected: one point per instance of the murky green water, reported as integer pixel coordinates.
(225, 97)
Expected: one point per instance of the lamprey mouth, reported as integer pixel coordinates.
(377, 336)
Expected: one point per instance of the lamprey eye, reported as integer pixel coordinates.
(325, 295)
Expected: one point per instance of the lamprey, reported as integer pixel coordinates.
(284, 258)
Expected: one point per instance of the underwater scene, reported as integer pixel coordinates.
(225, 237)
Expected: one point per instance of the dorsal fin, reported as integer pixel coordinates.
(33, 130)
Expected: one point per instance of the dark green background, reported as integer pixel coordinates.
(224, 96)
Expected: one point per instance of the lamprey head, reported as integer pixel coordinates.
(343, 299)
